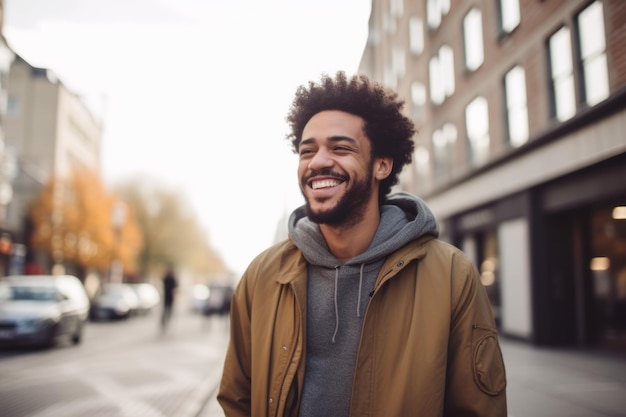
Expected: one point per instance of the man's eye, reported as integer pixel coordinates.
(305, 152)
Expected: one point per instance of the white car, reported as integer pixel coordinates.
(40, 309)
(148, 296)
(115, 301)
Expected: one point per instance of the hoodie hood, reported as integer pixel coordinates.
(403, 218)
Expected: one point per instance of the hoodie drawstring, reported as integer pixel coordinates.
(336, 305)
(358, 304)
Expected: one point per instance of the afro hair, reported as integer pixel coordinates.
(389, 131)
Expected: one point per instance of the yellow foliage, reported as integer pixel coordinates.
(72, 219)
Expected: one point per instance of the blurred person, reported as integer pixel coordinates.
(362, 311)
(170, 283)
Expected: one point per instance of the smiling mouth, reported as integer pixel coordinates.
(319, 184)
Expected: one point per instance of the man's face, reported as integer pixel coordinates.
(335, 168)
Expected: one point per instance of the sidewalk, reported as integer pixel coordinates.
(547, 382)
(542, 382)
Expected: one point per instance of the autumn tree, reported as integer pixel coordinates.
(172, 234)
(72, 221)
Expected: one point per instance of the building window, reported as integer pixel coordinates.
(444, 145)
(516, 106)
(416, 35)
(418, 99)
(562, 75)
(509, 13)
(592, 44)
(441, 69)
(435, 11)
(390, 78)
(396, 8)
(421, 161)
(473, 39)
(477, 126)
(389, 24)
(398, 61)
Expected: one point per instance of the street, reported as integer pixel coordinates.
(125, 368)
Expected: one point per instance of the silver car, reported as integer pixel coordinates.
(39, 309)
(115, 301)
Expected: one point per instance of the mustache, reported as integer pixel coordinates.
(326, 172)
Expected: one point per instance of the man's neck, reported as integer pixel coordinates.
(346, 242)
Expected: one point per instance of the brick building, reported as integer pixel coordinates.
(521, 150)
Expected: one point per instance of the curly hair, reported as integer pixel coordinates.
(388, 130)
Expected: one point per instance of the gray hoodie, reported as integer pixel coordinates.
(338, 296)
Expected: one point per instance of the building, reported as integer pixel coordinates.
(50, 131)
(7, 159)
(521, 150)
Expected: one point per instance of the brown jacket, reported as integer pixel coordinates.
(428, 346)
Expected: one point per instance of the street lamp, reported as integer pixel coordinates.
(118, 216)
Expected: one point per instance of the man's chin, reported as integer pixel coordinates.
(329, 215)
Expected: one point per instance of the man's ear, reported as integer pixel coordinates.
(382, 167)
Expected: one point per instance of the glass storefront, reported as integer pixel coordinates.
(607, 266)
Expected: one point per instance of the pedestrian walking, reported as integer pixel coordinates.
(170, 284)
(362, 311)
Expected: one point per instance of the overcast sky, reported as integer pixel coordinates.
(194, 93)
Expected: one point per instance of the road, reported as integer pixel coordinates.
(125, 368)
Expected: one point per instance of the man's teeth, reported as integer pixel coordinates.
(324, 184)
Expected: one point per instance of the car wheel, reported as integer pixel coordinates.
(77, 337)
(51, 337)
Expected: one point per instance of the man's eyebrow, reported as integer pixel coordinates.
(338, 138)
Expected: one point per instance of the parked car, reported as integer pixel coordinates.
(148, 296)
(199, 295)
(38, 310)
(218, 300)
(115, 301)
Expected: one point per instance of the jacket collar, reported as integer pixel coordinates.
(293, 265)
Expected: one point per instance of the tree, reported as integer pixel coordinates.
(72, 221)
(172, 234)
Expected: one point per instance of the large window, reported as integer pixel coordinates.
(418, 100)
(477, 126)
(441, 69)
(562, 75)
(509, 13)
(435, 11)
(516, 106)
(444, 146)
(587, 82)
(398, 61)
(592, 43)
(416, 35)
(473, 39)
(396, 8)
(421, 160)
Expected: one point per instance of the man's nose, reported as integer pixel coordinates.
(321, 159)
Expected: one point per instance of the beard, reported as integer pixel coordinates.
(350, 208)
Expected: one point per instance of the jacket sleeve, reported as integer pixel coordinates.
(475, 377)
(234, 394)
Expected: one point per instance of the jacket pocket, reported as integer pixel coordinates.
(488, 364)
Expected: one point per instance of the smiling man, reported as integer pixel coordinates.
(362, 311)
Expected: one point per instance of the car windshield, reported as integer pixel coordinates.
(29, 293)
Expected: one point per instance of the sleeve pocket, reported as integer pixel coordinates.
(489, 372)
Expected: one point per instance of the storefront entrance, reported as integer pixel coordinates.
(607, 275)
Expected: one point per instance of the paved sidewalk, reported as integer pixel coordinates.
(547, 382)
(542, 382)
